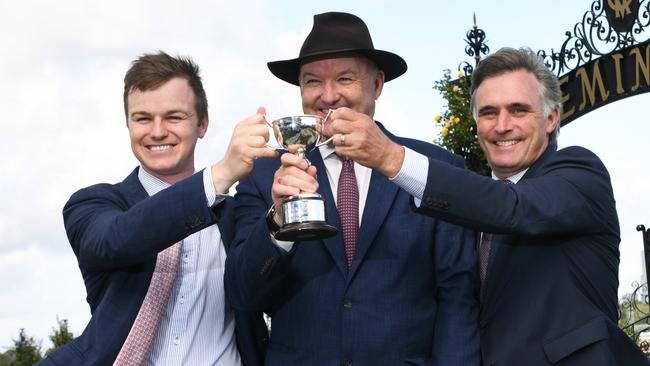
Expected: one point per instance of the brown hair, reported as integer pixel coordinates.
(150, 71)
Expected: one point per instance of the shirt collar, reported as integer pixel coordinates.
(151, 183)
(513, 178)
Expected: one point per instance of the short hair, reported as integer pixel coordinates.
(150, 71)
(509, 59)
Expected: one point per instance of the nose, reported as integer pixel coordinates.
(158, 129)
(503, 123)
(330, 95)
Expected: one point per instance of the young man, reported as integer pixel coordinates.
(152, 248)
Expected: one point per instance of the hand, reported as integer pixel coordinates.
(364, 142)
(248, 142)
(294, 176)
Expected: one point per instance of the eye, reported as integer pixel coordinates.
(176, 118)
(345, 80)
(518, 110)
(142, 119)
(487, 113)
(310, 82)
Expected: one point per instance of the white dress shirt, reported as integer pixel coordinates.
(198, 327)
(412, 177)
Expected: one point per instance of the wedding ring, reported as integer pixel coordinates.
(342, 139)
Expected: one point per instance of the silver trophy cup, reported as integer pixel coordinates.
(303, 215)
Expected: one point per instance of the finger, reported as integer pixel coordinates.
(294, 160)
(304, 184)
(263, 152)
(261, 110)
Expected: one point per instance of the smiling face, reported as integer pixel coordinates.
(164, 127)
(352, 82)
(512, 128)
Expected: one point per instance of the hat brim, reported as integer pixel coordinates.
(289, 70)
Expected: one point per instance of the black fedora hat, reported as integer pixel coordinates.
(334, 33)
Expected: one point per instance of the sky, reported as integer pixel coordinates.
(63, 124)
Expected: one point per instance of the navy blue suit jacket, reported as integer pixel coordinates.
(550, 296)
(409, 296)
(116, 232)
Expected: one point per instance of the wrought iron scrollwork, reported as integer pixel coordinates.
(476, 46)
(594, 36)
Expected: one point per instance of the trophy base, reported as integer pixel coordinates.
(300, 231)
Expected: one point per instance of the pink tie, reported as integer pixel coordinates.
(347, 197)
(138, 343)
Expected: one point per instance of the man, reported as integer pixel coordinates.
(152, 248)
(549, 250)
(403, 291)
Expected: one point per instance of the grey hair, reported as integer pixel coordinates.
(509, 59)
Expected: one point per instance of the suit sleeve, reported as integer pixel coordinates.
(255, 267)
(456, 336)
(105, 231)
(570, 192)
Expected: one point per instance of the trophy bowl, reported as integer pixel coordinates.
(303, 215)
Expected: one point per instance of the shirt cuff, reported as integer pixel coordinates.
(413, 176)
(211, 196)
(283, 245)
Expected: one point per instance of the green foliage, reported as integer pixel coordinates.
(458, 129)
(60, 336)
(26, 351)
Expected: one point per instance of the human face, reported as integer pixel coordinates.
(512, 128)
(164, 127)
(352, 82)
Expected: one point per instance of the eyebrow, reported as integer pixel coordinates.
(173, 111)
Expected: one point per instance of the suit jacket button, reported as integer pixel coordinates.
(428, 201)
(347, 363)
(482, 323)
(347, 303)
(193, 222)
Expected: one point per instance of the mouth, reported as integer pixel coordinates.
(157, 148)
(506, 143)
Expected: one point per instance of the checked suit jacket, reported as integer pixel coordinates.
(116, 232)
(409, 296)
(550, 295)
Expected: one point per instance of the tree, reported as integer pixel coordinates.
(25, 351)
(457, 127)
(60, 336)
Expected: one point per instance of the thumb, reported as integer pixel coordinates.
(261, 110)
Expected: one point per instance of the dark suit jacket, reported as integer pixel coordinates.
(116, 232)
(408, 298)
(550, 296)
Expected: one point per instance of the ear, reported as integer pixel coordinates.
(379, 83)
(203, 126)
(552, 120)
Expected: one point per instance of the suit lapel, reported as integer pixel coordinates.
(132, 190)
(381, 194)
(333, 244)
(501, 267)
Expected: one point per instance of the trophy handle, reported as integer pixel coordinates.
(325, 142)
(269, 145)
(318, 143)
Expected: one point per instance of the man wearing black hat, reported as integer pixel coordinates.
(392, 287)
